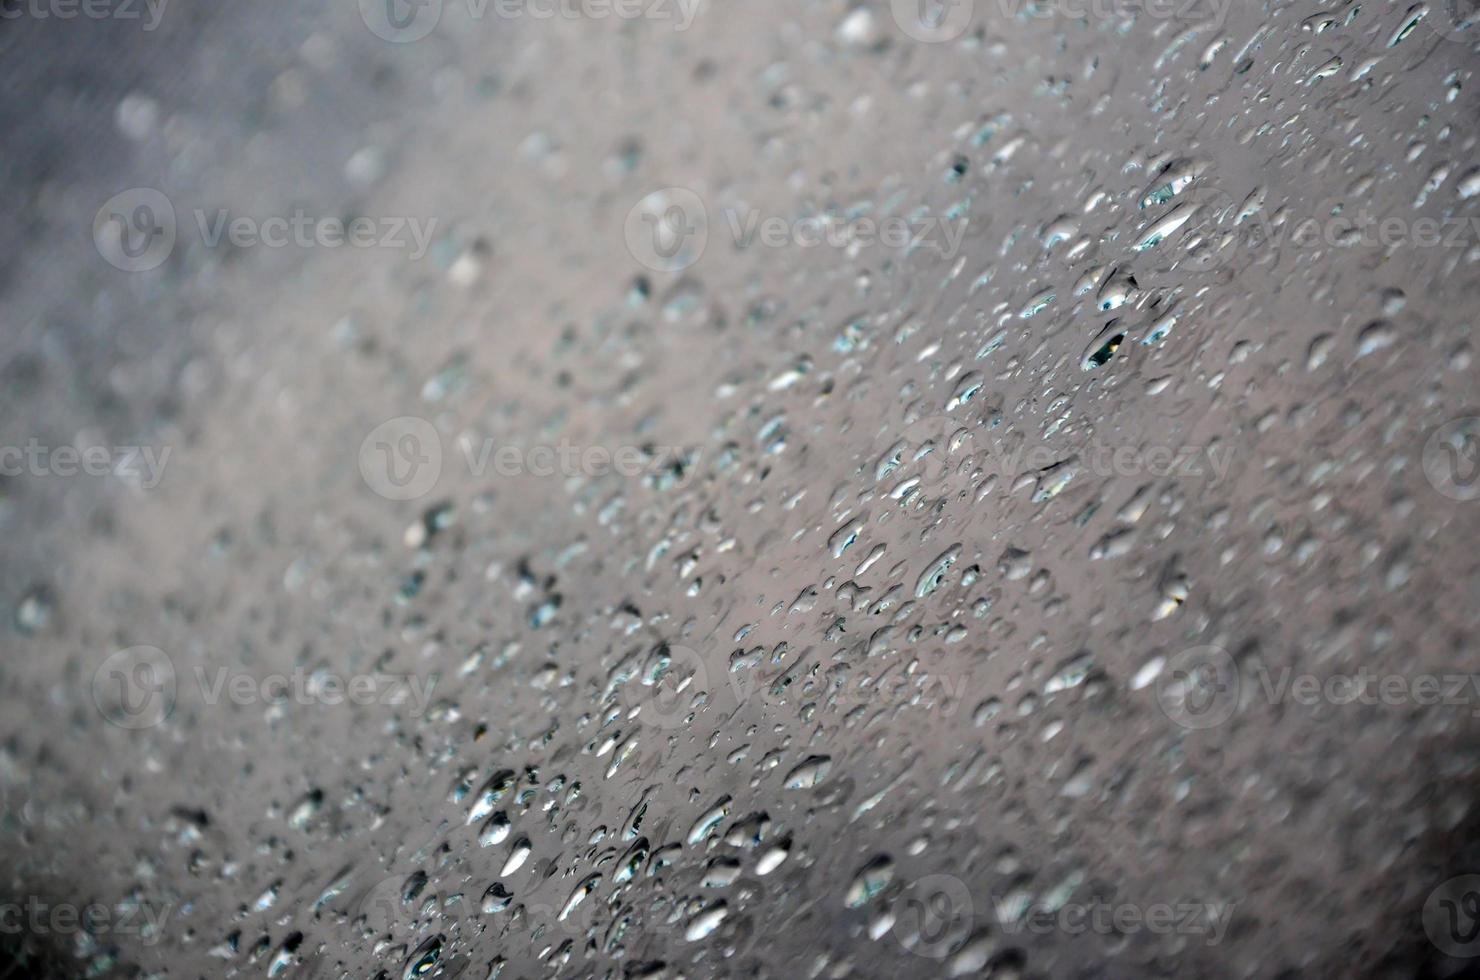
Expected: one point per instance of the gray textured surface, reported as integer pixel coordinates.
(996, 737)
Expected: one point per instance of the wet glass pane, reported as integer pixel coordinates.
(700, 488)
